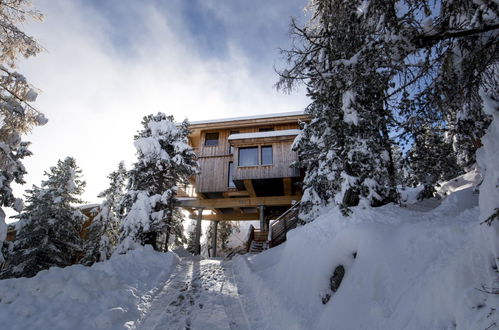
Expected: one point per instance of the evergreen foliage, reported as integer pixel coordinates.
(431, 160)
(17, 116)
(48, 231)
(191, 237)
(165, 160)
(224, 231)
(377, 72)
(103, 232)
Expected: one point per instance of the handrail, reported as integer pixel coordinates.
(279, 227)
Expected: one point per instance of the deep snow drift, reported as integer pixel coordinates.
(405, 269)
(424, 266)
(108, 295)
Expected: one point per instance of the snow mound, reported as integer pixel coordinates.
(405, 269)
(108, 295)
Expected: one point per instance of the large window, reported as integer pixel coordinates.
(248, 156)
(231, 175)
(266, 155)
(211, 139)
(252, 156)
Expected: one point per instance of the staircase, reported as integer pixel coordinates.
(287, 221)
(257, 247)
(259, 240)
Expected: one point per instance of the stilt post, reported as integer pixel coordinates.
(214, 238)
(262, 218)
(197, 244)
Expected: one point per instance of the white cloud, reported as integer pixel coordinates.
(95, 92)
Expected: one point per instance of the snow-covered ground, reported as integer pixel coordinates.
(108, 295)
(424, 266)
(405, 269)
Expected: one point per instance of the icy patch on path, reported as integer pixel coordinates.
(198, 295)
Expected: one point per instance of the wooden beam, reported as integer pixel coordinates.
(229, 217)
(249, 187)
(287, 186)
(239, 202)
(239, 193)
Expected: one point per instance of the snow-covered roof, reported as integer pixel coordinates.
(271, 115)
(286, 132)
(88, 206)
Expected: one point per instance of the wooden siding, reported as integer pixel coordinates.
(214, 160)
(282, 157)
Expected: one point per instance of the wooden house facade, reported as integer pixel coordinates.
(245, 168)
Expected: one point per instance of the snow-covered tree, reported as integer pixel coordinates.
(48, 231)
(191, 237)
(17, 116)
(431, 160)
(103, 232)
(165, 160)
(375, 69)
(224, 231)
(345, 148)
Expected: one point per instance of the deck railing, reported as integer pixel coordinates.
(287, 221)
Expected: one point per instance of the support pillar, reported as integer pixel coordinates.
(214, 239)
(262, 218)
(197, 241)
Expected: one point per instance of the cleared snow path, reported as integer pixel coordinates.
(200, 294)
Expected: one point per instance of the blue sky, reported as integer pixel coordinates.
(108, 63)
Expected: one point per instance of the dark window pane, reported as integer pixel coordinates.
(267, 155)
(266, 129)
(231, 175)
(211, 139)
(248, 156)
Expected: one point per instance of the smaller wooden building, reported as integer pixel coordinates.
(245, 168)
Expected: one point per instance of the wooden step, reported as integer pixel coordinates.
(257, 247)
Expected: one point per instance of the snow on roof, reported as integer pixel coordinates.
(88, 206)
(271, 115)
(286, 132)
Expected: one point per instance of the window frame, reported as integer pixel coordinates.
(271, 155)
(206, 139)
(259, 156)
(257, 148)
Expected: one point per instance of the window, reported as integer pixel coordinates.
(248, 156)
(266, 155)
(211, 139)
(265, 129)
(231, 149)
(231, 175)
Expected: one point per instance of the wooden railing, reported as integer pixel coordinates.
(287, 221)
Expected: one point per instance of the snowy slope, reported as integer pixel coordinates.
(413, 270)
(104, 296)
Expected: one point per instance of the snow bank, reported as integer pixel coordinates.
(108, 295)
(487, 158)
(405, 269)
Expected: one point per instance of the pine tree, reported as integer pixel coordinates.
(432, 160)
(225, 229)
(165, 160)
(103, 232)
(345, 148)
(48, 231)
(17, 116)
(376, 70)
(191, 237)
